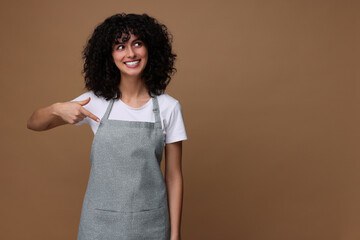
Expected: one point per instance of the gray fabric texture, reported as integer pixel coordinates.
(126, 197)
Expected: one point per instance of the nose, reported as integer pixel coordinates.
(130, 52)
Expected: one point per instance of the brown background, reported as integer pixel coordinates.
(270, 98)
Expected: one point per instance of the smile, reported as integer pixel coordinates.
(132, 64)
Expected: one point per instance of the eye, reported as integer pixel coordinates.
(139, 43)
(120, 47)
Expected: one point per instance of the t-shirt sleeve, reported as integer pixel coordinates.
(175, 129)
(83, 96)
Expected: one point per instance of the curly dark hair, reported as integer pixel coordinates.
(102, 76)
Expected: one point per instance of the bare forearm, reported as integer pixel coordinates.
(41, 118)
(175, 198)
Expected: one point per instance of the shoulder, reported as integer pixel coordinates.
(94, 100)
(167, 103)
(85, 95)
(171, 111)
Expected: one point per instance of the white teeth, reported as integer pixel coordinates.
(132, 63)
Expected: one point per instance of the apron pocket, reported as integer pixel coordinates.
(112, 224)
(151, 224)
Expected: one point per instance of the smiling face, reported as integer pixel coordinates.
(130, 57)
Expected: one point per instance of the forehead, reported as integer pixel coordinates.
(125, 37)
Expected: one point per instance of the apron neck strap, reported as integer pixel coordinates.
(156, 111)
(108, 109)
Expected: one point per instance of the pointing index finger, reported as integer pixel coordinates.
(89, 114)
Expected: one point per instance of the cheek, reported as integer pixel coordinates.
(117, 61)
(117, 56)
(144, 52)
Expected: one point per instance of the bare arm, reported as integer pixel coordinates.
(59, 114)
(174, 185)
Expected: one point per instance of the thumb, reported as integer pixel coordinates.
(84, 102)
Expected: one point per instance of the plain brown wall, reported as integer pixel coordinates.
(270, 98)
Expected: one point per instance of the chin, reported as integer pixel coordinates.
(132, 74)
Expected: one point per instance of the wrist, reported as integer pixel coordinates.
(54, 109)
(175, 235)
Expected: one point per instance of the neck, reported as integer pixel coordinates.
(132, 87)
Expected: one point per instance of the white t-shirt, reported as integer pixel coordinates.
(170, 114)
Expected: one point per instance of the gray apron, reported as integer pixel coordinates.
(126, 195)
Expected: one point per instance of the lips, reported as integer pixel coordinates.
(132, 64)
(132, 61)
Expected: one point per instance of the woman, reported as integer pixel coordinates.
(128, 65)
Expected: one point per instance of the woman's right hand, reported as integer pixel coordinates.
(58, 114)
(74, 112)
